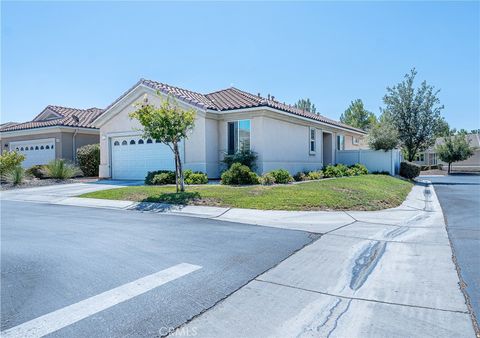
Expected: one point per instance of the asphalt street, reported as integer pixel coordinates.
(54, 256)
(459, 196)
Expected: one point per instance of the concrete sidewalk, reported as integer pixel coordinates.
(311, 221)
(386, 274)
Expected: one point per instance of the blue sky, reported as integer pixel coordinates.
(84, 54)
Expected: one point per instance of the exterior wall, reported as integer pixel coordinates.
(122, 124)
(471, 163)
(283, 141)
(80, 140)
(56, 135)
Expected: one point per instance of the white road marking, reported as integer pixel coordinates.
(68, 315)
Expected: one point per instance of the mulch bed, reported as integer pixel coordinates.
(35, 182)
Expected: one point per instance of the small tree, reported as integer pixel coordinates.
(383, 135)
(415, 113)
(455, 148)
(169, 124)
(357, 116)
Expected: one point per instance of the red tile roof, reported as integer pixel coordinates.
(233, 98)
(69, 117)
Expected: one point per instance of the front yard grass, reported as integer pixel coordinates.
(369, 192)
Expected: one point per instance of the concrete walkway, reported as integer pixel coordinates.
(384, 274)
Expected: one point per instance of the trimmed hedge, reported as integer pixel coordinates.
(239, 174)
(281, 176)
(267, 179)
(88, 158)
(168, 178)
(409, 170)
(161, 177)
(197, 177)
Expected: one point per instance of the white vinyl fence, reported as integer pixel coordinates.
(374, 160)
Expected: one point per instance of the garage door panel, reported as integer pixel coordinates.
(133, 157)
(36, 151)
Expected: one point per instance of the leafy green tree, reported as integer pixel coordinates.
(475, 131)
(443, 129)
(455, 148)
(357, 116)
(383, 135)
(415, 113)
(169, 124)
(306, 104)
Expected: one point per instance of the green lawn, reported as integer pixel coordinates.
(369, 192)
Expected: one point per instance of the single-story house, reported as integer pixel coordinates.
(55, 133)
(430, 157)
(226, 121)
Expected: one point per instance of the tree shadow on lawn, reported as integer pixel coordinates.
(173, 198)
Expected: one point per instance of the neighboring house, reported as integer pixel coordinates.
(430, 157)
(56, 132)
(226, 121)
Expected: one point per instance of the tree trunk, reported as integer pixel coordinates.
(449, 166)
(178, 169)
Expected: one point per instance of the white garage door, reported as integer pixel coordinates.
(133, 157)
(35, 151)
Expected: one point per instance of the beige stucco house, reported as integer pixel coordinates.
(226, 120)
(430, 157)
(55, 133)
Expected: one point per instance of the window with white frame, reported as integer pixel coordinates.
(340, 142)
(238, 136)
(354, 140)
(313, 141)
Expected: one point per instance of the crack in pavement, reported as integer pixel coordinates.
(361, 299)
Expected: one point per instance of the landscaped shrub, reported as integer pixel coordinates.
(61, 170)
(300, 176)
(15, 176)
(245, 157)
(89, 159)
(281, 176)
(409, 170)
(9, 160)
(239, 174)
(37, 171)
(267, 179)
(357, 169)
(338, 170)
(163, 178)
(168, 178)
(315, 175)
(196, 177)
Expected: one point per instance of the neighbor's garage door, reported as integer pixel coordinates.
(35, 151)
(133, 157)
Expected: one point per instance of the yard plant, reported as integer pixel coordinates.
(170, 124)
(9, 160)
(60, 169)
(88, 158)
(454, 149)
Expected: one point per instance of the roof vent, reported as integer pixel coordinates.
(268, 96)
(273, 98)
(75, 118)
(258, 95)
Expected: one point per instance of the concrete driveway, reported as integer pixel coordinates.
(459, 197)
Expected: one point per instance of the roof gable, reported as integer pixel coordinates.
(59, 116)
